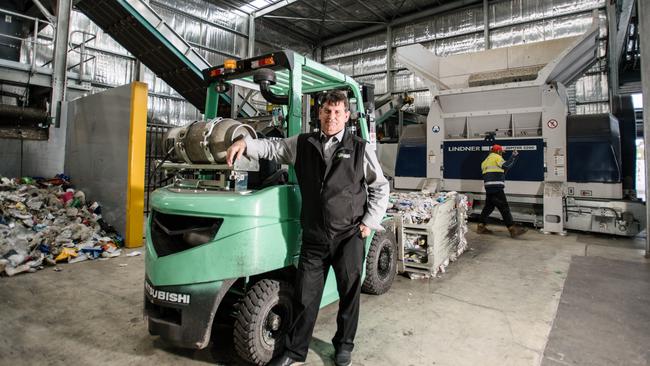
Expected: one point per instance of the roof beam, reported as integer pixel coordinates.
(273, 7)
(318, 10)
(324, 20)
(416, 5)
(406, 19)
(374, 12)
(291, 32)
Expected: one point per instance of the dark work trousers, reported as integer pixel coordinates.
(496, 199)
(346, 257)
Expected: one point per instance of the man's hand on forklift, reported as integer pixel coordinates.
(365, 231)
(235, 151)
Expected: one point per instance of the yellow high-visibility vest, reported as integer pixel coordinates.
(492, 164)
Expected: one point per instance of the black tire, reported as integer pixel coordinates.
(263, 319)
(381, 263)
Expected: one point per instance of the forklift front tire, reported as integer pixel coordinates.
(264, 316)
(381, 263)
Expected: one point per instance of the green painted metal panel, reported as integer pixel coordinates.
(211, 102)
(260, 233)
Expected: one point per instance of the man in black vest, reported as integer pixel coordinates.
(344, 196)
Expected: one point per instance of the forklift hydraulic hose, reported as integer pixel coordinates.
(270, 97)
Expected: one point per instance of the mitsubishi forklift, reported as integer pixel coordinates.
(224, 242)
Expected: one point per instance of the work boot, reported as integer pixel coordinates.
(516, 230)
(343, 358)
(284, 361)
(482, 229)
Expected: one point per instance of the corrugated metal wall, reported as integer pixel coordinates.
(510, 22)
(215, 32)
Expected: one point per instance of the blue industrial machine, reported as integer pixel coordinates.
(569, 171)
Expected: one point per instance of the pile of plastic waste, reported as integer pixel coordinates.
(444, 217)
(44, 222)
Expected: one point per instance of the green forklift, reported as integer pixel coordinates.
(225, 241)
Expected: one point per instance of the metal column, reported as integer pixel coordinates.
(486, 24)
(644, 31)
(612, 50)
(251, 35)
(389, 59)
(60, 61)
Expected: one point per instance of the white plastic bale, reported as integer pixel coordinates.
(444, 214)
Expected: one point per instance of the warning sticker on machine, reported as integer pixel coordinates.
(520, 148)
(487, 148)
(172, 297)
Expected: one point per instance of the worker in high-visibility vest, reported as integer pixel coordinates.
(494, 175)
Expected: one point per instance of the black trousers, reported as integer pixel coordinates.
(496, 199)
(346, 257)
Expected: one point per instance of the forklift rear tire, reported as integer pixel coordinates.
(263, 319)
(381, 263)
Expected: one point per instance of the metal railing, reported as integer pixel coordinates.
(32, 40)
(85, 38)
(35, 41)
(155, 151)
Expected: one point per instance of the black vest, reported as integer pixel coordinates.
(334, 194)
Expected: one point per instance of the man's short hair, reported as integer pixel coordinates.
(335, 97)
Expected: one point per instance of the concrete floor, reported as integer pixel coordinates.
(494, 306)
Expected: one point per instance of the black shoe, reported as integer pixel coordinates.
(343, 358)
(283, 361)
